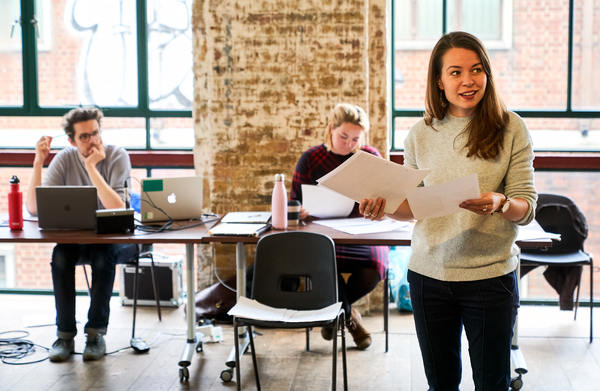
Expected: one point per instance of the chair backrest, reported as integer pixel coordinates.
(559, 214)
(295, 270)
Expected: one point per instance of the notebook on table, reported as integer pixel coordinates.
(242, 224)
(66, 207)
(164, 199)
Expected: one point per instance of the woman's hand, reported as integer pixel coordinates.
(372, 209)
(303, 213)
(487, 204)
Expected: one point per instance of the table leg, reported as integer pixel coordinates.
(244, 341)
(192, 345)
(516, 357)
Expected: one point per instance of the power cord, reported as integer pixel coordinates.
(17, 348)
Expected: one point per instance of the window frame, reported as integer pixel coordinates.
(32, 108)
(568, 112)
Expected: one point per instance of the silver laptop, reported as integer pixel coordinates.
(66, 207)
(165, 199)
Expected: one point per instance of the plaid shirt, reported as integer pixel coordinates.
(312, 165)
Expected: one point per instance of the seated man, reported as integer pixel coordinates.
(87, 163)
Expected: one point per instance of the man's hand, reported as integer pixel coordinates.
(97, 154)
(42, 150)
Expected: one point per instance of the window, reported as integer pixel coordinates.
(7, 266)
(131, 58)
(543, 55)
(419, 23)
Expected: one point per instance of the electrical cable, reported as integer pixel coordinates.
(17, 348)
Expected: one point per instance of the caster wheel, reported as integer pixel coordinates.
(184, 374)
(516, 383)
(227, 375)
(199, 347)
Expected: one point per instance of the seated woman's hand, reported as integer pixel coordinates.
(372, 209)
(303, 213)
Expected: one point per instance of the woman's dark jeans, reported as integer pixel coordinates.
(102, 258)
(486, 308)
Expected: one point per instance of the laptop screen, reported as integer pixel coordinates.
(66, 207)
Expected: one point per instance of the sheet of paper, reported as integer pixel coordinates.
(252, 309)
(367, 176)
(360, 225)
(443, 199)
(323, 202)
(533, 231)
(246, 217)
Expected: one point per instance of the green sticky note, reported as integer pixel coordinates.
(152, 185)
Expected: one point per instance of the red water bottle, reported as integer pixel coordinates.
(15, 205)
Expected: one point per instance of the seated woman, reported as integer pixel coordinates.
(366, 265)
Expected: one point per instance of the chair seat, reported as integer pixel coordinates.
(252, 312)
(575, 258)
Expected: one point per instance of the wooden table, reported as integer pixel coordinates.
(190, 236)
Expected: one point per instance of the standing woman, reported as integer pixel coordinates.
(367, 265)
(462, 268)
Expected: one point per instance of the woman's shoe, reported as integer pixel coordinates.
(360, 335)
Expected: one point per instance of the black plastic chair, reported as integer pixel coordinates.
(282, 260)
(559, 214)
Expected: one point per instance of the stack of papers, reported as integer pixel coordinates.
(367, 176)
(252, 309)
(359, 225)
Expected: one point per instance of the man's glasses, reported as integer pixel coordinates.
(85, 137)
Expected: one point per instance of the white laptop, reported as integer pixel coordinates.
(66, 207)
(164, 199)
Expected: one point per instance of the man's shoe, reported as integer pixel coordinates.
(95, 347)
(328, 332)
(360, 335)
(61, 350)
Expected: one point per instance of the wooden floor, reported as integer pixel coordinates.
(555, 347)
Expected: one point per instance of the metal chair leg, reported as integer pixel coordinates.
(334, 355)
(87, 281)
(135, 295)
(254, 363)
(155, 287)
(386, 308)
(591, 299)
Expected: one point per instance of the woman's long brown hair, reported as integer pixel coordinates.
(485, 131)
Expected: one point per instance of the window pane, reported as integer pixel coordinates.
(124, 132)
(3, 276)
(172, 133)
(170, 54)
(564, 134)
(401, 127)
(586, 56)
(11, 62)
(93, 56)
(24, 132)
(480, 17)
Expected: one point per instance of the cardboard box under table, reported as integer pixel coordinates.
(169, 282)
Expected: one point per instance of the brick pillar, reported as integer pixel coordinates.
(266, 75)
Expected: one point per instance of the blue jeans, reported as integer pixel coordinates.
(102, 258)
(486, 308)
